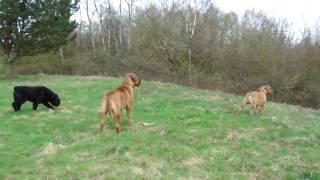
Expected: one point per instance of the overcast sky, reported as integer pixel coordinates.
(299, 13)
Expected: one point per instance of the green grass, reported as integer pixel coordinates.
(193, 135)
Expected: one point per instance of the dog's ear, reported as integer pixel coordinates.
(268, 88)
(135, 79)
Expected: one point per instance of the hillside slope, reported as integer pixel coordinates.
(175, 132)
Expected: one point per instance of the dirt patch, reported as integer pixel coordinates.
(19, 117)
(207, 98)
(83, 156)
(256, 131)
(194, 161)
(213, 140)
(147, 167)
(138, 171)
(279, 125)
(140, 125)
(85, 137)
(252, 133)
(148, 126)
(51, 149)
(65, 110)
(214, 98)
(117, 151)
(232, 136)
(157, 130)
(79, 108)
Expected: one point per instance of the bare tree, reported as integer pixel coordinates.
(109, 24)
(91, 33)
(120, 23)
(80, 29)
(130, 4)
(61, 54)
(191, 19)
(100, 12)
(112, 30)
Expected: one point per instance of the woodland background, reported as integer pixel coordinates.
(190, 43)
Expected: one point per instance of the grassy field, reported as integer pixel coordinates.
(175, 133)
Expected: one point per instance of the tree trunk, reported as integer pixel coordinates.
(93, 44)
(110, 25)
(80, 30)
(61, 55)
(100, 14)
(8, 64)
(8, 68)
(120, 26)
(102, 40)
(115, 41)
(130, 9)
(109, 38)
(190, 28)
(91, 33)
(190, 65)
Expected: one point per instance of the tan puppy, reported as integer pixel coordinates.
(122, 97)
(257, 98)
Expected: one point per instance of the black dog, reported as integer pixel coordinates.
(35, 94)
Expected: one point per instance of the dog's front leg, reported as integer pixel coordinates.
(16, 106)
(261, 108)
(35, 105)
(48, 105)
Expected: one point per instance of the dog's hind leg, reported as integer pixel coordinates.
(261, 108)
(111, 118)
(253, 109)
(244, 103)
(118, 125)
(128, 110)
(103, 120)
(47, 105)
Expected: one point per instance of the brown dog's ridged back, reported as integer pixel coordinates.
(261, 90)
(123, 88)
(120, 89)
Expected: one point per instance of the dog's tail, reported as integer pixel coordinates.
(103, 111)
(244, 102)
(104, 105)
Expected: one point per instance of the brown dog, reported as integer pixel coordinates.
(122, 97)
(257, 98)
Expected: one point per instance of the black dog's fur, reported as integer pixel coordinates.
(35, 94)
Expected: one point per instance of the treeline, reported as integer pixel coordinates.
(193, 44)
